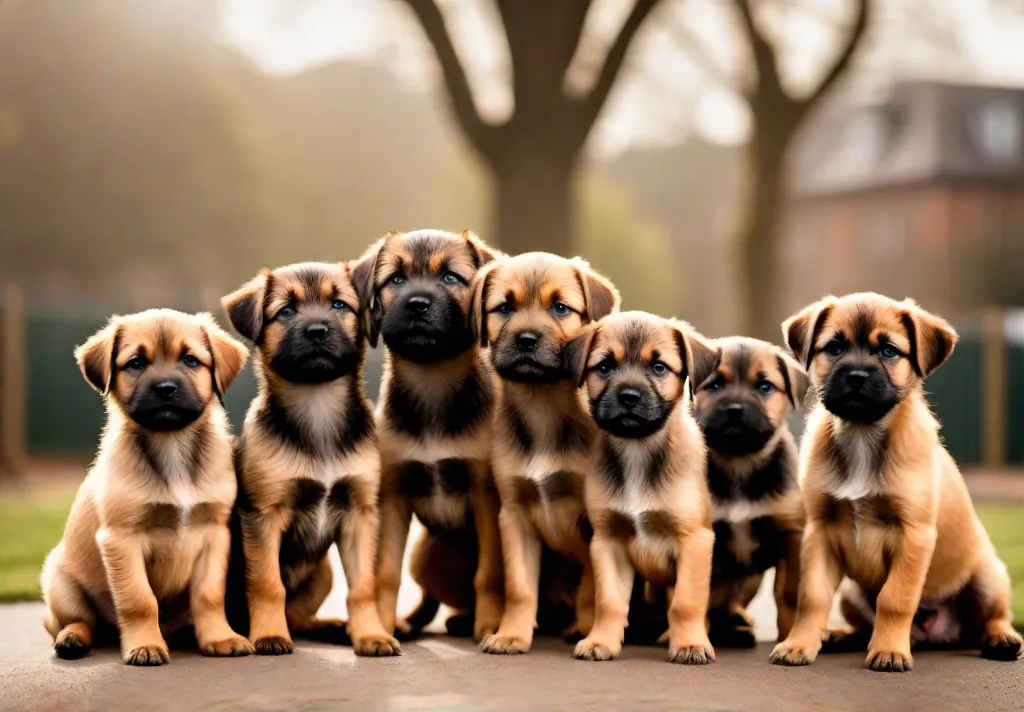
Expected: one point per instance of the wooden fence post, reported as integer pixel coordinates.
(12, 382)
(994, 382)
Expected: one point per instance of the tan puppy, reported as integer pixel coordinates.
(886, 504)
(434, 420)
(526, 308)
(308, 465)
(743, 410)
(646, 491)
(146, 544)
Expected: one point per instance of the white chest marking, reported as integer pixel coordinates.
(740, 511)
(861, 479)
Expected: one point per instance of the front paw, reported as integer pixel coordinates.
(573, 634)
(1006, 646)
(591, 649)
(273, 645)
(147, 656)
(487, 619)
(794, 653)
(233, 647)
(505, 644)
(69, 646)
(889, 661)
(379, 645)
(700, 654)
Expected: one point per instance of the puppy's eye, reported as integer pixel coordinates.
(765, 387)
(397, 279)
(136, 364)
(505, 309)
(450, 278)
(338, 304)
(716, 385)
(834, 348)
(605, 368)
(561, 309)
(286, 312)
(888, 353)
(658, 368)
(190, 361)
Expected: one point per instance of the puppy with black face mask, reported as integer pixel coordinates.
(146, 545)
(646, 490)
(886, 504)
(526, 308)
(308, 464)
(743, 409)
(434, 420)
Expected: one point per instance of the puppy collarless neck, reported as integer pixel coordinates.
(176, 455)
(640, 462)
(771, 476)
(551, 417)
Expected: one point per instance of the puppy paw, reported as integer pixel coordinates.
(793, 653)
(573, 634)
(589, 649)
(692, 655)
(379, 645)
(460, 625)
(273, 645)
(505, 645)
(234, 647)
(1006, 646)
(889, 661)
(70, 646)
(147, 655)
(405, 631)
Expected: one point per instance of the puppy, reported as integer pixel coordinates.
(526, 308)
(758, 512)
(308, 464)
(434, 420)
(886, 504)
(146, 545)
(646, 493)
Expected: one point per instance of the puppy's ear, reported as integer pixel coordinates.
(599, 294)
(794, 376)
(364, 271)
(483, 252)
(577, 352)
(229, 355)
(932, 339)
(244, 306)
(96, 356)
(700, 356)
(478, 303)
(802, 329)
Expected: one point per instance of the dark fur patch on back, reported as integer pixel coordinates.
(776, 477)
(461, 410)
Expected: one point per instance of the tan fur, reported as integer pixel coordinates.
(428, 385)
(145, 549)
(533, 286)
(273, 467)
(646, 518)
(897, 520)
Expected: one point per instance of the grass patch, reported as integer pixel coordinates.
(31, 524)
(1005, 525)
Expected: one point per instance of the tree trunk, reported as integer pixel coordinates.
(758, 235)
(533, 202)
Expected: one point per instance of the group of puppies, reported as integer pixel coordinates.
(608, 476)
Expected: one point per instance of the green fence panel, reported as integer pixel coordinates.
(954, 392)
(1015, 404)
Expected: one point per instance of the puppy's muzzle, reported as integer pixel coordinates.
(736, 427)
(164, 405)
(630, 411)
(859, 392)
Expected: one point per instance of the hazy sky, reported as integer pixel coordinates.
(285, 36)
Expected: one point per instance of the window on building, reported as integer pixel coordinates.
(1000, 130)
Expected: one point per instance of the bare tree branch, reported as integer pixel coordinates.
(698, 52)
(762, 49)
(842, 60)
(432, 21)
(591, 105)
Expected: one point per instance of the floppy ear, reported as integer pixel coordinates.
(932, 339)
(599, 294)
(244, 306)
(577, 351)
(795, 377)
(484, 252)
(96, 356)
(478, 303)
(364, 270)
(700, 356)
(229, 355)
(801, 329)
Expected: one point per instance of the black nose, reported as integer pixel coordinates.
(418, 304)
(166, 389)
(527, 339)
(734, 411)
(317, 332)
(629, 397)
(856, 378)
